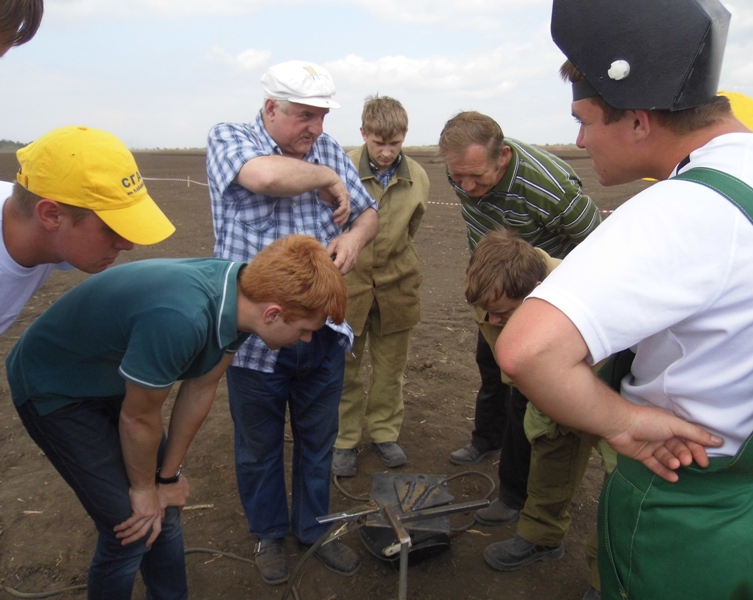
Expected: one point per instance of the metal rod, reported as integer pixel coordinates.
(439, 511)
(351, 515)
(402, 586)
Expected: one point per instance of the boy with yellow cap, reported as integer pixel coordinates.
(79, 200)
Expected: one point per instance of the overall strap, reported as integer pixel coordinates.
(736, 191)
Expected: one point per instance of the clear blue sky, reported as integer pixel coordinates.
(160, 73)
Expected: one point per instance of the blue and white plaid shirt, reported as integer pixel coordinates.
(245, 222)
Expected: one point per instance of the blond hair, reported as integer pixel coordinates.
(503, 264)
(384, 116)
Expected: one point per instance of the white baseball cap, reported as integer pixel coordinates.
(301, 82)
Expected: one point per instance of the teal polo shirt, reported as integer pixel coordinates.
(151, 322)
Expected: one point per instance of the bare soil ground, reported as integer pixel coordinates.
(46, 539)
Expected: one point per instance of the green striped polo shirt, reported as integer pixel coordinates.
(539, 197)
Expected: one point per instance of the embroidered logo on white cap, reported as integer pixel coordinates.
(301, 82)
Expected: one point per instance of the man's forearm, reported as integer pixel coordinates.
(544, 353)
(282, 177)
(192, 404)
(365, 227)
(190, 409)
(141, 433)
(139, 441)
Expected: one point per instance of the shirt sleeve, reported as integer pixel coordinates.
(578, 214)
(333, 156)
(636, 276)
(161, 349)
(229, 147)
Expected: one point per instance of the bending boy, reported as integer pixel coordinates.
(90, 376)
(502, 271)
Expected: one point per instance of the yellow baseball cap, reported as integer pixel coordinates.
(93, 169)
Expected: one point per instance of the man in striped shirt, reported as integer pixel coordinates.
(506, 184)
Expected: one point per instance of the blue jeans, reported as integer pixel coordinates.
(83, 444)
(308, 377)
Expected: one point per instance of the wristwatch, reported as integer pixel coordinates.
(168, 480)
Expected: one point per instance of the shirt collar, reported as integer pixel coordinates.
(365, 169)
(227, 306)
(375, 167)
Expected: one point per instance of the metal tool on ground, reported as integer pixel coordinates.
(406, 514)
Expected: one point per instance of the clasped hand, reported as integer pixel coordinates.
(148, 506)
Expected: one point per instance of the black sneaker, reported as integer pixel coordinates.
(344, 462)
(337, 557)
(497, 513)
(516, 553)
(271, 558)
(470, 455)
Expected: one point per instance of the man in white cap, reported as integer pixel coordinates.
(674, 284)
(267, 179)
(78, 201)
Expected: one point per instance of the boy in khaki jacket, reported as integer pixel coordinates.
(383, 289)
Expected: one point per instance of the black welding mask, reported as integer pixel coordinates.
(643, 54)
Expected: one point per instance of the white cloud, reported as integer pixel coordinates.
(161, 72)
(485, 15)
(156, 8)
(248, 60)
(474, 75)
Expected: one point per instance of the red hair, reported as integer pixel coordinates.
(297, 273)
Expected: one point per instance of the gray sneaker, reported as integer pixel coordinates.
(470, 455)
(517, 553)
(391, 454)
(271, 558)
(497, 513)
(344, 462)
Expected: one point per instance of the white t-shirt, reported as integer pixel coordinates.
(17, 283)
(670, 274)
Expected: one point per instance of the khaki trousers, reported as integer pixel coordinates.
(380, 406)
(559, 458)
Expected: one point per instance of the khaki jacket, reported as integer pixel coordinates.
(388, 269)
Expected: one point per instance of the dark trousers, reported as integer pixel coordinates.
(491, 408)
(515, 456)
(308, 378)
(500, 410)
(82, 442)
